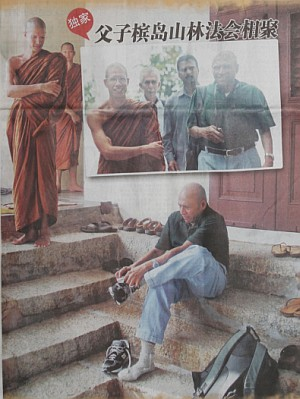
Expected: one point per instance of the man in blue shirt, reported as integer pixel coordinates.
(175, 135)
(190, 259)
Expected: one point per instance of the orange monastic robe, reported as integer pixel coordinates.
(133, 124)
(32, 141)
(67, 132)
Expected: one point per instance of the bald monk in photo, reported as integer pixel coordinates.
(125, 131)
(68, 128)
(36, 81)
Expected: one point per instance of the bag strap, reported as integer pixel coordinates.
(222, 358)
(254, 368)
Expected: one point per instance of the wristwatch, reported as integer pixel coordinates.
(268, 154)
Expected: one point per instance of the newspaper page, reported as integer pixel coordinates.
(152, 146)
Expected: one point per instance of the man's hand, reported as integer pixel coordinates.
(134, 276)
(211, 133)
(75, 118)
(52, 87)
(173, 166)
(122, 272)
(268, 162)
(154, 149)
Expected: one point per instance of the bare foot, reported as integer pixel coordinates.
(42, 241)
(75, 187)
(25, 238)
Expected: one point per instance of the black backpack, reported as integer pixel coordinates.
(243, 367)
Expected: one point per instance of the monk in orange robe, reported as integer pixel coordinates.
(68, 128)
(36, 81)
(125, 131)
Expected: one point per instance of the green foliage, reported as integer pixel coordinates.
(165, 62)
(89, 93)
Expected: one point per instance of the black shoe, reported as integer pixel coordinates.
(117, 356)
(121, 291)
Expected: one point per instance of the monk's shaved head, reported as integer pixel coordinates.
(36, 22)
(115, 66)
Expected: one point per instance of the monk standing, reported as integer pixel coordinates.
(126, 132)
(36, 82)
(68, 128)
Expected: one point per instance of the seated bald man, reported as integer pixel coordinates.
(190, 259)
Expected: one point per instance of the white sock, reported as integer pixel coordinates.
(143, 366)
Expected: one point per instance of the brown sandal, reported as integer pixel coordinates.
(281, 250)
(130, 225)
(151, 228)
(142, 225)
(291, 308)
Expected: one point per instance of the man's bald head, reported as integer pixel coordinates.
(194, 190)
(35, 22)
(35, 34)
(192, 201)
(113, 67)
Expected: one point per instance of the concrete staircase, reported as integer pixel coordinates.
(58, 319)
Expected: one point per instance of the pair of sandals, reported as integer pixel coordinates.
(281, 250)
(291, 308)
(147, 226)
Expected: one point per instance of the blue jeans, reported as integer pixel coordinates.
(193, 272)
(246, 160)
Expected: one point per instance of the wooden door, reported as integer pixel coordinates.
(268, 199)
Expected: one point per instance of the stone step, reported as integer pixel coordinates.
(67, 253)
(55, 342)
(183, 340)
(85, 379)
(36, 300)
(252, 266)
(71, 216)
(34, 349)
(236, 308)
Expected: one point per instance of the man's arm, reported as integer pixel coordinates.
(267, 143)
(19, 91)
(95, 120)
(168, 136)
(134, 275)
(75, 117)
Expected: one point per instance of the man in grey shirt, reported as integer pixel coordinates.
(175, 135)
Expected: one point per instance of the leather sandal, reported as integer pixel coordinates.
(131, 225)
(151, 228)
(125, 223)
(281, 250)
(291, 308)
(295, 251)
(142, 225)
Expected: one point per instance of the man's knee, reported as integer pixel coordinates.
(197, 250)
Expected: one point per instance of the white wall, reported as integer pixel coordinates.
(142, 196)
